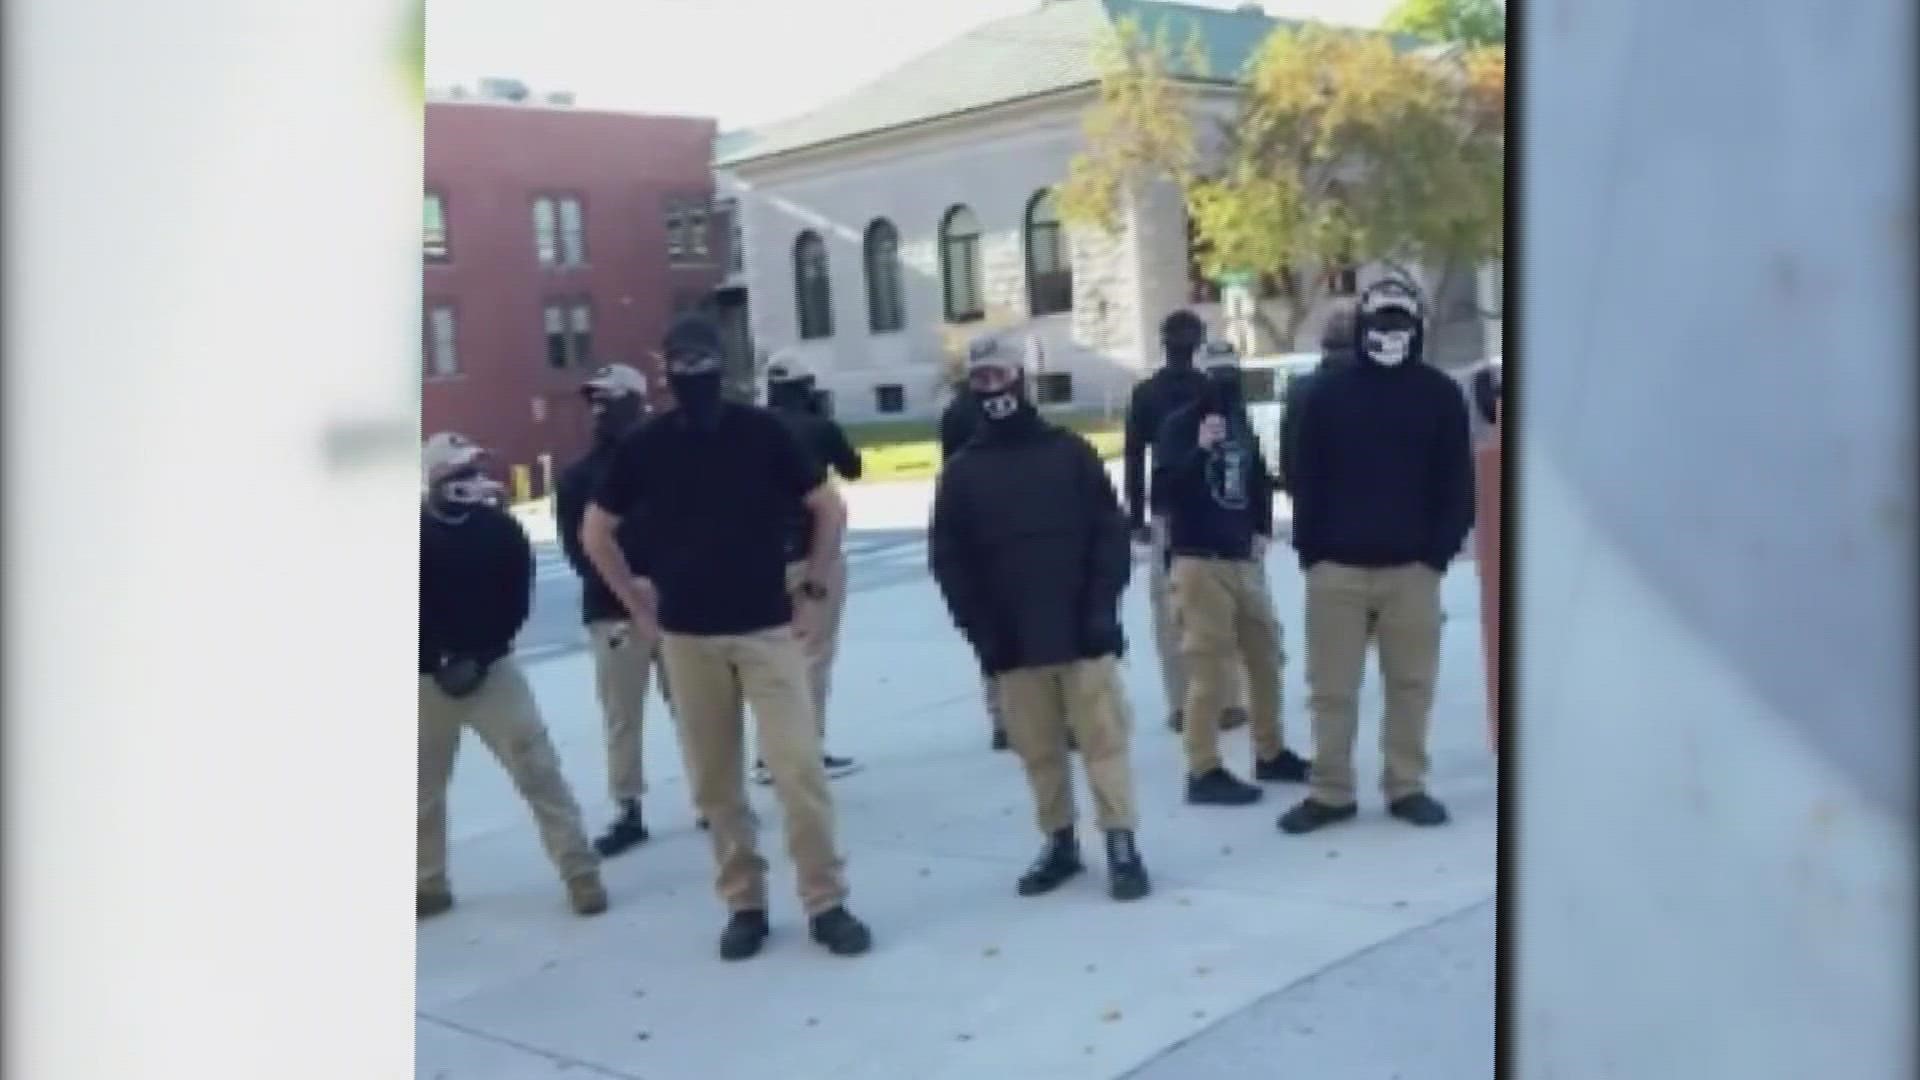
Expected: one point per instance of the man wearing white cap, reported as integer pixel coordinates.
(623, 659)
(1382, 506)
(476, 588)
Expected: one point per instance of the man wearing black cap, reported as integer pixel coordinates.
(1382, 505)
(1154, 400)
(717, 484)
(790, 396)
(623, 660)
(1210, 477)
(1029, 547)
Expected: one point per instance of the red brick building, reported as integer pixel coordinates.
(557, 239)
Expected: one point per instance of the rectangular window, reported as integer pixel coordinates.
(546, 232)
(442, 351)
(580, 322)
(889, 399)
(573, 233)
(963, 280)
(556, 330)
(434, 245)
(689, 232)
(698, 222)
(1053, 388)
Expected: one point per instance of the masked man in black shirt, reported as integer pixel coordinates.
(1210, 476)
(476, 588)
(1162, 394)
(1030, 550)
(791, 397)
(623, 660)
(717, 485)
(1381, 506)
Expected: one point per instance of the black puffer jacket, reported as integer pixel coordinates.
(1029, 547)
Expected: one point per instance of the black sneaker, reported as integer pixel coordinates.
(746, 931)
(1059, 860)
(999, 739)
(1308, 815)
(1235, 717)
(626, 831)
(1286, 767)
(841, 933)
(1073, 744)
(1418, 808)
(1126, 874)
(1176, 722)
(1218, 787)
(838, 767)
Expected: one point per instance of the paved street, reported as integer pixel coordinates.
(1256, 953)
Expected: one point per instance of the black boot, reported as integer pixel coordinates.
(840, 932)
(746, 931)
(1058, 861)
(999, 739)
(626, 831)
(1126, 874)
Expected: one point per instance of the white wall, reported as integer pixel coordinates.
(993, 166)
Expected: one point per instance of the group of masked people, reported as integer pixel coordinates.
(709, 539)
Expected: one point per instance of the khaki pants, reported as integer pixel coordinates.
(1399, 605)
(623, 666)
(1166, 632)
(502, 712)
(1226, 622)
(820, 653)
(713, 678)
(1042, 704)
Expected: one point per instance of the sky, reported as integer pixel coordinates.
(743, 62)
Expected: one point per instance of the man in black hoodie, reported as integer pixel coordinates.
(958, 423)
(1382, 504)
(1029, 547)
(1154, 400)
(476, 588)
(790, 396)
(1336, 352)
(1210, 476)
(623, 660)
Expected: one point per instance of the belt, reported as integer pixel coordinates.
(1210, 556)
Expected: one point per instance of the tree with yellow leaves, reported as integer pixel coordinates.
(1344, 147)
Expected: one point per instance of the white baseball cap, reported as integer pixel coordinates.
(446, 452)
(786, 366)
(617, 380)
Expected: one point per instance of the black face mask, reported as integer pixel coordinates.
(615, 417)
(455, 497)
(697, 396)
(1006, 410)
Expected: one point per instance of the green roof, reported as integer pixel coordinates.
(1047, 49)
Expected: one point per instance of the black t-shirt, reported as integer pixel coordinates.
(716, 504)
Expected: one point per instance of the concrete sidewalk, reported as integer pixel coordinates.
(966, 979)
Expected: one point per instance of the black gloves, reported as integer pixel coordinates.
(459, 676)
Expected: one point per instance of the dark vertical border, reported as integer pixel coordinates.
(1512, 550)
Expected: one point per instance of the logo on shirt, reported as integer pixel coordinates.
(1227, 474)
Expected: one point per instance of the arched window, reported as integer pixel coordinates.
(960, 265)
(812, 289)
(886, 312)
(1049, 264)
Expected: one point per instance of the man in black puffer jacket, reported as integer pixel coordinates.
(476, 588)
(623, 661)
(1029, 546)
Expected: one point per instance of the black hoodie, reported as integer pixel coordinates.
(1216, 501)
(476, 586)
(820, 437)
(1385, 469)
(1153, 401)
